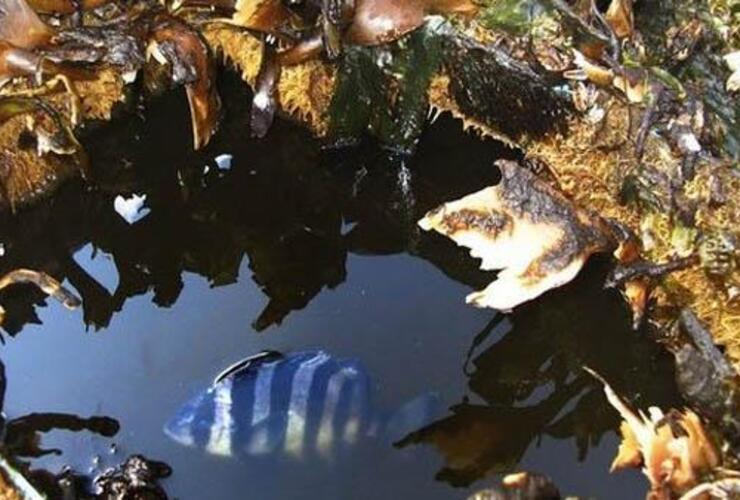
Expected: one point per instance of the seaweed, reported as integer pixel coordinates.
(384, 90)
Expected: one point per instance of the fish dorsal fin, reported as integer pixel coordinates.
(250, 362)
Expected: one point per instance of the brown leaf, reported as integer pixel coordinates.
(621, 18)
(381, 21)
(182, 47)
(525, 228)
(702, 454)
(16, 62)
(21, 26)
(64, 6)
(637, 293)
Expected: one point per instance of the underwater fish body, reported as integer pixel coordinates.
(299, 405)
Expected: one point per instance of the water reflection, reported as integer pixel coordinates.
(21, 437)
(529, 382)
(21, 434)
(284, 205)
(296, 213)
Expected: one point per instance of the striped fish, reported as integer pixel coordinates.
(298, 405)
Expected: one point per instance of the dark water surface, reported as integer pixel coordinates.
(291, 249)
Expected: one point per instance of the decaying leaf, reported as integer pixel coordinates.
(175, 43)
(65, 6)
(673, 449)
(525, 228)
(629, 454)
(21, 26)
(620, 18)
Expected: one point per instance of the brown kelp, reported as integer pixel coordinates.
(89, 59)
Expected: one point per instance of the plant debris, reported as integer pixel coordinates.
(673, 449)
(525, 228)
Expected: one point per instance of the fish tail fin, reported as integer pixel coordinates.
(413, 415)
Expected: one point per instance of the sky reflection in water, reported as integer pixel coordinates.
(293, 249)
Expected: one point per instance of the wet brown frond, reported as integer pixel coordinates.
(21, 26)
(304, 90)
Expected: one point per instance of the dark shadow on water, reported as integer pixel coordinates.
(296, 213)
(529, 382)
(285, 204)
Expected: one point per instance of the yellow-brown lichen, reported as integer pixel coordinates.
(26, 176)
(439, 98)
(590, 163)
(101, 95)
(304, 91)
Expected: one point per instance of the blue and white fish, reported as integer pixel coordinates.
(298, 405)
